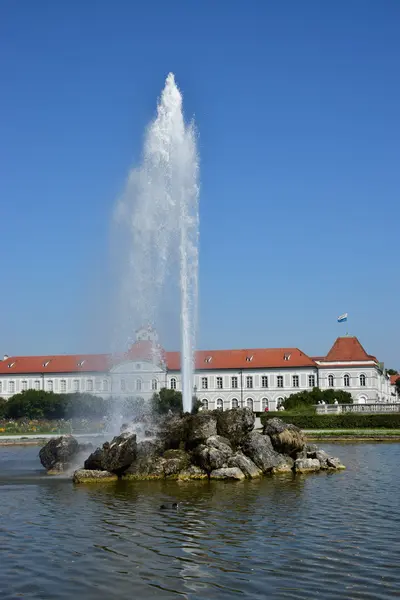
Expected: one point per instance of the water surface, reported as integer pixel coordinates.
(318, 536)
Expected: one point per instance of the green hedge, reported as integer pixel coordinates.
(343, 421)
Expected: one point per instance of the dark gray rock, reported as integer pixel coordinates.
(200, 427)
(334, 463)
(259, 449)
(244, 463)
(147, 460)
(213, 454)
(58, 454)
(320, 455)
(173, 431)
(227, 473)
(285, 438)
(307, 465)
(192, 472)
(235, 424)
(115, 456)
(175, 462)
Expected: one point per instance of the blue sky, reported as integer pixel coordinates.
(297, 107)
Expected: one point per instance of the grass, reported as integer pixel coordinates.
(365, 432)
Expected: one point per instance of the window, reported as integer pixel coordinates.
(154, 384)
(97, 385)
(219, 383)
(311, 381)
(24, 385)
(105, 385)
(76, 385)
(235, 403)
(204, 383)
(138, 385)
(234, 383)
(220, 404)
(264, 381)
(330, 381)
(286, 356)
(49, 385)
(363, 380)
(279, 381)
(205, 403)
(249, 381)
(346, 380)
(123, 385)
(249, 403)
(1, 386)
(264, 403)
(89, 385)
(37, 384)
(173, 383)
(63, 385)
(280, 401)
(249, 358)
(11, 386)
(208, 359)
(296, 381)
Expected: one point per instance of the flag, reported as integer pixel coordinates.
(342, 318)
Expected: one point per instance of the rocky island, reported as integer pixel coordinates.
(207, 445)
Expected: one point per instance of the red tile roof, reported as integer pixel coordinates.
(394, 378)
(260, 358)
(347, 349)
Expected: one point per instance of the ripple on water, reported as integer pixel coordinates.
(323, 536)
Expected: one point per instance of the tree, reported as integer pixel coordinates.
(392, 372)
(398, 385)
(303, 401)
(167, 400)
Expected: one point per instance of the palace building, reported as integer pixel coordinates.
(257, 378)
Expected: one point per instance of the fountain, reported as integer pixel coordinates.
(159, 212)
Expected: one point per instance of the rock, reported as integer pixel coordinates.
(312, 448)
(173, 432)
(235, 424)
(320, 455)
(244, 463)
(213, 454)
(175, 461)
(306, 465)
(85, 447)
(227, 473)
(334, 463)
(285, 438)
(58, 453)
(93, 476)
(200, 427)
(284, 467)
(95, 461)
(115, 456)
(192, 472)
(259, 448)
(148, 463)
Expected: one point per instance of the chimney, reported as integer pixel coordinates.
(5, 357)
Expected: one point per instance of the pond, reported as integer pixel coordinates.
(333, 535)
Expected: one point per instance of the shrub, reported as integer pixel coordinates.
(341, 421)
(167, 400)
(38, 404)
(307, 399)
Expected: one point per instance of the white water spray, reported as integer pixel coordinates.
(159, 209)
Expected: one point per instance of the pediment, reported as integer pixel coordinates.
(136, 367)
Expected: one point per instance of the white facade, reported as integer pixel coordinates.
(224, 388)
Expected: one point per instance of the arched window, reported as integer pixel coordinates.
(154, 384)
(105, 385)
(37, 384)
(24, 385)
(138, 385)
(264, 403)
(363, 380)
(1, 386)
(220, 404)
(76, 385)
(249, 403)
(173, 383)
(205, 403)
(63, 385)
(11, 386)
(49, 385)
(330, 380)
(346, 380)
(280, 401)
(235, 403)
(89, 385)
(123, 385)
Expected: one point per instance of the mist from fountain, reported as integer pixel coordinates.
(159, 214)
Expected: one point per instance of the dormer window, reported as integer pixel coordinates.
(80, 363)
(286, 356)
(46, 363)
(249, 358)
(208, 359)
(11, 364)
